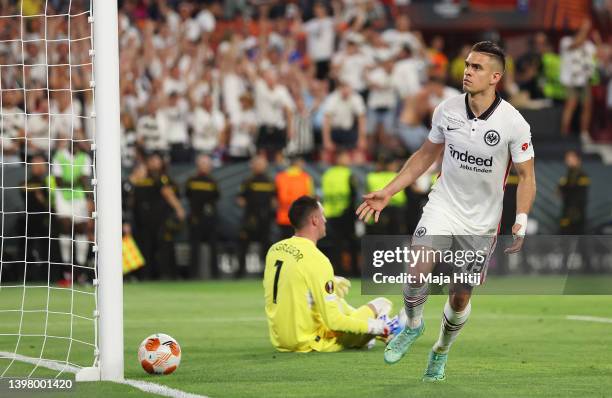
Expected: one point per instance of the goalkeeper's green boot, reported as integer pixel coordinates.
(400, 344)
(435, 367)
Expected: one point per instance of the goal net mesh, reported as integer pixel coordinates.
(48, 251)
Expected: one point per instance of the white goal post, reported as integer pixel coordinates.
(108, 191)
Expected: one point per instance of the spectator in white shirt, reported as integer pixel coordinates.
(233, 85)
(130, 102)
(344, 123)
(320, 37)
(208, 127)
(38, 71)
(149, 136)
(190, 26)
(175, 82)
(13, 126)
(577, 66)
(406, 74)
(243, 126)
(376, 48)
(173, 117)
(382, 100)
(401, 36)
(206, 20)
(38, 134)
(351, 64)
(66, 114)
(274, 107)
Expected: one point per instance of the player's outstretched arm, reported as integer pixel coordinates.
(417, 164)
(321, 284)
(525, 196)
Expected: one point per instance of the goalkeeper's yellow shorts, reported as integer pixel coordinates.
(337, 341)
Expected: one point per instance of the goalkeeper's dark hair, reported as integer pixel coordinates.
(492, 49)
(301, 209)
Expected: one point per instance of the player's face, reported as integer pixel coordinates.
(480, 73)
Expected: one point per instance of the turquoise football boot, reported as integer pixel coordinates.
(400, 344)
(435, 367)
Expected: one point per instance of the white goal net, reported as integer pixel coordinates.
(49, 275)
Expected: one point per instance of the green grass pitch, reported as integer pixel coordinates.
(512, 346)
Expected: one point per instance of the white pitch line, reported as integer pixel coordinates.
(159, 389)
(142, 385)
(588, 318)
(45, 363)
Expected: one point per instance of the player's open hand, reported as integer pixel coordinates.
(342, 286)
(517, 244)
(373, 204)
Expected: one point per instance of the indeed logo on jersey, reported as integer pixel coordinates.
(469, 161)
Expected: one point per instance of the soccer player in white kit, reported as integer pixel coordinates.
(481, 136)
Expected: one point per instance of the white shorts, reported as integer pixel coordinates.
(71, 208)
(439, 231)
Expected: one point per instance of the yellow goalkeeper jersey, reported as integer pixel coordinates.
(302, 308)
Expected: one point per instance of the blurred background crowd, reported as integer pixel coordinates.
(232, 109)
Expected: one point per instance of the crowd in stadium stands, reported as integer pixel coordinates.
(234, 78)
(217, 82)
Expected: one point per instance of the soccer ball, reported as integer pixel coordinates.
(159, 354)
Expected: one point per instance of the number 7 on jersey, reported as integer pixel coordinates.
(278, 265)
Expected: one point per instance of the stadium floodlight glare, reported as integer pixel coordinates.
(75, 327)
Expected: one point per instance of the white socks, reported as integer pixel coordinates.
(452, 322)
(414, 302)
(81, 249)
(65, 248)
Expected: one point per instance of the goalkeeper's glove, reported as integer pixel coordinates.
(393, 324)
(342, 286)
(377, 327)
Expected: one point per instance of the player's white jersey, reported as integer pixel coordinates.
(477, 157)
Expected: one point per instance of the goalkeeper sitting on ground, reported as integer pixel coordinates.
(305, 303)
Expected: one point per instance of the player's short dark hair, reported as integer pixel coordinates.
(492, 49)
(301, 209)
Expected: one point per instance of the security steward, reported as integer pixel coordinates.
(574, 189)
(202, 192)
(155, 200)
(257, 198)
